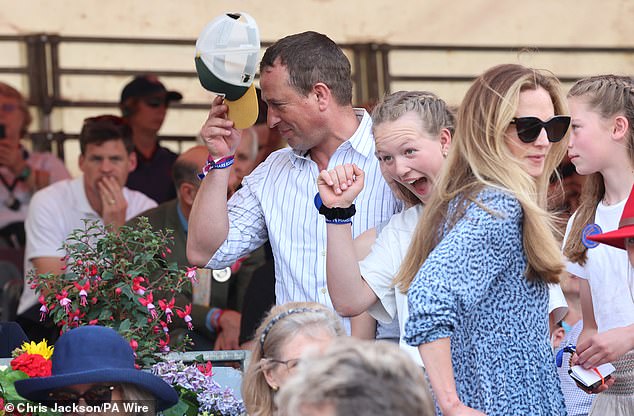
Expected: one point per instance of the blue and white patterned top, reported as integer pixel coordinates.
(276, 202)
(472, 289)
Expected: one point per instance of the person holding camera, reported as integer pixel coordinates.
(22, 172)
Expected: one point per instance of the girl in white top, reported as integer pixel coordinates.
(412, 131)
(602, 146)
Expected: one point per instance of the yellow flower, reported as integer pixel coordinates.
(40, 348)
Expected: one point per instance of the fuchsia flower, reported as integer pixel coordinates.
(167, 308)
(134, 344)
(205, 368)
(136, 285)
(64, 301)
(165, 327)
(93, 270)
(164, 345)
(147, 302)
(83, 292)
(185, 316)
(74, 317)
(191, 274)
(43, 308)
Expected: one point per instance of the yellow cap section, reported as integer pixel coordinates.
(243, 111)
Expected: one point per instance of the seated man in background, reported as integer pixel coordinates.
(143, 103)
(216, 315)
(106, 159)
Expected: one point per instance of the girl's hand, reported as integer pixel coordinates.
(339, 187)
(604, 347)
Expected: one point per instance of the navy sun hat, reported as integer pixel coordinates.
(95, 354)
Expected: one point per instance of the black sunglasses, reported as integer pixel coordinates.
(94, 396)
(529, 128)
(156, 102)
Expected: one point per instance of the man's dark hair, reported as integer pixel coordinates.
(100, 129)
(309, 58)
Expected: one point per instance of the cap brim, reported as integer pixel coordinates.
(243, 111)
(38, 388)
(614, 238)
(174, 96)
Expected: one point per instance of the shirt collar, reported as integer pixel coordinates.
(358, 141)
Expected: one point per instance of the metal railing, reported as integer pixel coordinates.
(377, 68)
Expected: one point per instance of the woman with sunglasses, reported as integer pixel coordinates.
(93, 366)
(484, 252)
(22, 172)
(287, 333)
(602, 147)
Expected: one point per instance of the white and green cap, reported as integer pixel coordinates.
(227, 57)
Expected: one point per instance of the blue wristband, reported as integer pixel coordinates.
(211, 164)
(339, 221)
(335, 215)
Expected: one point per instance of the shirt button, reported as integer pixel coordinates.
(323, 253)
(323, 290)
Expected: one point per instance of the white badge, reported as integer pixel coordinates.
(221, 275)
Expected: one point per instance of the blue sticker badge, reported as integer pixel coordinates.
(588, 230)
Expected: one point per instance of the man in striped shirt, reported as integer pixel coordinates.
(306, 82)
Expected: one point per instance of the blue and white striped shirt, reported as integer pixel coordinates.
(276, 202)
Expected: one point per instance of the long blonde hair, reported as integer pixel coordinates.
(607, 95)
(280, 325)
(479, 157)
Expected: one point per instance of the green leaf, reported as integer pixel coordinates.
(105, 314)
(124, 326)
(181, 408)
